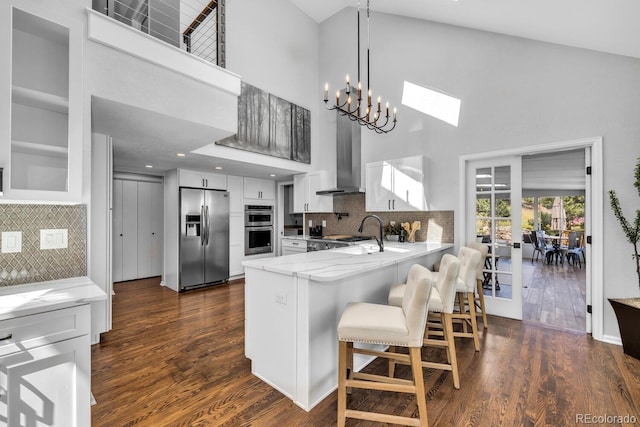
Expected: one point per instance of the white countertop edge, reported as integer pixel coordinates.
(21, 300)
(360, 262)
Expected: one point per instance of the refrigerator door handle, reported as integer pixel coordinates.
(206, 213)
(202, 225)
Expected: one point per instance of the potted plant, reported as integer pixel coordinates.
(628, 309)
(392, 231)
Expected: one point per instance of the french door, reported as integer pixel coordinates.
(493, 216)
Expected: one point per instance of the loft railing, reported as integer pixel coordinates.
(196, 26)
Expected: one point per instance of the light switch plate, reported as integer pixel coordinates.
(11, 241)
(54, 238)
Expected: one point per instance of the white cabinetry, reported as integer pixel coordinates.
(262, 189)
(305, 198)
(236, 225)
(397, 185)
(293, 246)
(150, 217)
(137, 229)
(41, 148)
(197, 179)
(45, 367)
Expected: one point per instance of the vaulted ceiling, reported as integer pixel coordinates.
(602, 25)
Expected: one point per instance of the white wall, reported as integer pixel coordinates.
(515, 92)
(274, 46)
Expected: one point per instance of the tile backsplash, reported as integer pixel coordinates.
(33, 264)
(436, 225)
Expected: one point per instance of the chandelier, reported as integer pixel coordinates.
(357, 111)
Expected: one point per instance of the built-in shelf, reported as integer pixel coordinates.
(38, 149)
(38, 99)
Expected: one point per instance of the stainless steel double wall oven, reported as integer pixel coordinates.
(258, 229)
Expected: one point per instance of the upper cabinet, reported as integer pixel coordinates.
(305, 198)
(43, 156)
(259, 189)
(397, 185)
(197, 179)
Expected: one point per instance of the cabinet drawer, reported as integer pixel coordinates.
(295, 244)
(44, 328)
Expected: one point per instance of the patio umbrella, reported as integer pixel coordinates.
(558, 215)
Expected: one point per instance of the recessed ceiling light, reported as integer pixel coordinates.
(148, 166)
(181, 155)
(218, 168)
(272, 175)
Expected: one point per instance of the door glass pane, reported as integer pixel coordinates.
(502, 180)
(494, 227)
(483, 179)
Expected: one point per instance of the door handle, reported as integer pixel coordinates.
(393, 204)
(206, 210)
(6, 337)
(389, 204)
(202, 224)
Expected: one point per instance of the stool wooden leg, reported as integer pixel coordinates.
(463, 309)
(416, 366)
(342, 381)
(447, 325)
(474, 320)
(392, 362)
(481, 298)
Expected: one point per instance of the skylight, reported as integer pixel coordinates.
(432, 103)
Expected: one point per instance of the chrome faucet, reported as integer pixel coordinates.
(380, 243)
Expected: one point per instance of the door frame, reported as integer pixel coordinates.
(594, 253)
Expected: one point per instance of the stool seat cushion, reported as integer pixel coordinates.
(374, 324)
(396, 294)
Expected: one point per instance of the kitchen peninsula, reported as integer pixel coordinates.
(293, 304)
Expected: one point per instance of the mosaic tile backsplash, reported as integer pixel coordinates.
(34, 264)
(436, 226)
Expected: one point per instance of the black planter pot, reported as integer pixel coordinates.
(628, 314)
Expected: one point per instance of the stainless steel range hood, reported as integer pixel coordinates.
(348, 157)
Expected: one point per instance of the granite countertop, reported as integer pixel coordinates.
(339, 263)
(22, 300)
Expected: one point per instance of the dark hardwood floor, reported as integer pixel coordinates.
(554, 294)
(178, 360)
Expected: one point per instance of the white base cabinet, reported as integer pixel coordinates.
(45, 369)
(397, 185)
(293, 246)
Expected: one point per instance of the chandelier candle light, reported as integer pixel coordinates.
(354, 112)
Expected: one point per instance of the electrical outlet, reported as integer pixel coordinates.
(11, 241)
(281, 298)
(54, 238)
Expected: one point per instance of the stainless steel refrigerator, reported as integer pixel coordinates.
(204, 237)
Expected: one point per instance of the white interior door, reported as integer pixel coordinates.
(493, 216)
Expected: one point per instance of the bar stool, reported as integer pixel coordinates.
(479, 298)
(466, 291)
(402, 326)
(439, 321)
